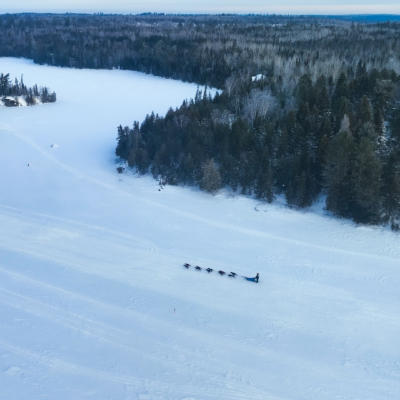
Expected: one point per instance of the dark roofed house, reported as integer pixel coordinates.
(10, 102)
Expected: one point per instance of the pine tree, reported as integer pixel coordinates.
(391, 190)
(122, 139)
(188, 169)
(264, 186)
(303, 112)
(132, 158)
(361, 69)
(301, 191)
(342, 87)
(211, 180)
(290, 194)
(384, 92)
(325, 128)
(365, 110)
(321, 157)
(324, 101)
(321, 82)
(337, 171)
(142, 161)
(366, 180)
(303, 89)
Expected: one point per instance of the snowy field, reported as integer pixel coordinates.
(91, 270)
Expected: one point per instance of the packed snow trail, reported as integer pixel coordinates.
(95, 303)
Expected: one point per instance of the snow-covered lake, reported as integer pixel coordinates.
(95, 302)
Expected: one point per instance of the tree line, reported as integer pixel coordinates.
(205, 49)
(340, 138)
(10, 91)
(308, 105)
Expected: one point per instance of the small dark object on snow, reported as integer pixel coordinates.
(120, 170)
(209, 270)
(161, 184)
(186, 265)
(221, 272)
(198, 268)
(234, 273)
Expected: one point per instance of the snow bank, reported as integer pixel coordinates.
(20, 100)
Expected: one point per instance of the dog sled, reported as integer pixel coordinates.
(223, 273)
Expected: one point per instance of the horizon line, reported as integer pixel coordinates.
(219, 13)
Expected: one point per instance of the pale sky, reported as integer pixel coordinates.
(205, 6)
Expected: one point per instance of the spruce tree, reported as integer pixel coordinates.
(324, 101)
(365, 113)
(337, 170)
(301, 191)
(391, 189)
(264, 187)
(384, 92)
(121, 149)
(211, 180)
(366, 179)
(132, 158)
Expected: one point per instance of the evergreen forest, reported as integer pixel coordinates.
(307, 106)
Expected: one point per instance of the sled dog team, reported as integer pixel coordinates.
(230, 275)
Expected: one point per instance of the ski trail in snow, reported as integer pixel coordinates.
(87, 326)
(153, 250)
(71, 368)
(67, 366)
(214, 223)
(46, 154)
(122, 338)
(248, 231)
(155, 323)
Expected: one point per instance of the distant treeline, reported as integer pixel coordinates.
(367, 18)
(205, 49)
(10, 91)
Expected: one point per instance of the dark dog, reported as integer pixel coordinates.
(221, 272)
(198, 268)
(233, 274)
(186, 265)
(209, 270)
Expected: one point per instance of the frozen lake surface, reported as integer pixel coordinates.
(95, 303)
